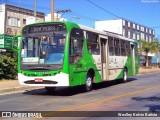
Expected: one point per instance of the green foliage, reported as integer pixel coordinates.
(8, 66)
(149, 47)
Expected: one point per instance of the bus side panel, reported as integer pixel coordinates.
(117, 73)
(78, 71)
(128, 64)
(116, 65)
(98, 77)
(137, 64)
(91, 63)
(98, 68)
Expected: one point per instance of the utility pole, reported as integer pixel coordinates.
(52, 10)
(62, 11)
(35, 10)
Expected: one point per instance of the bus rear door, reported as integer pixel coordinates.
(104, 58)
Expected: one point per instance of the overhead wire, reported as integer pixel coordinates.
(103, 9)
(156, 27)
(80, 15)
(47, 8)
(83, 16)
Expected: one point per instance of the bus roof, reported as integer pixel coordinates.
(103, 33)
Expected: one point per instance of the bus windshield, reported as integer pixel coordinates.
(43, 44)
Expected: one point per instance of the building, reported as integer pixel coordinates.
(14, 18)
(128, 29)
(57, 17)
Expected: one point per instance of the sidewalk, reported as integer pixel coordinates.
(148, 70)
(13, 85)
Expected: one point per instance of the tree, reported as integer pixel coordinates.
(149, 47)
(8, 66)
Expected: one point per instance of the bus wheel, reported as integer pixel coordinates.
(89, 83)
(125, 76)
(50, 89)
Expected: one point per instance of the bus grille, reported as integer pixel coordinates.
(44, 82)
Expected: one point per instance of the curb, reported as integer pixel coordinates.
(148, 72)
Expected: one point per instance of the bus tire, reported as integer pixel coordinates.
(125, 76)
(50, 89)
(89, 83)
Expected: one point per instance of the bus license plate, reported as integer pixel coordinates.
(38, 80)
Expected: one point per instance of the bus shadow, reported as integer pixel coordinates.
(70, 91)
(111, 83)
(61, 91)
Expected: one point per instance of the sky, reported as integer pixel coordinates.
(145, 12)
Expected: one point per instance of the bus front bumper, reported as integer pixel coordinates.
(61, 79)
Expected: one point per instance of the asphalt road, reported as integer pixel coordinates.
(140, 93)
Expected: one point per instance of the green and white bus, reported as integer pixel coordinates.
(54, 54)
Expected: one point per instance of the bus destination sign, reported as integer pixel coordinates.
(46, 28)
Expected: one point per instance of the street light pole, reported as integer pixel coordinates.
(52, 10)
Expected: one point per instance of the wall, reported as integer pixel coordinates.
(18, 13)
(14, 30)
(110, 25)
(2, 18)
(48, 17)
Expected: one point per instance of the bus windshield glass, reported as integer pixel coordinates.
(43, 44)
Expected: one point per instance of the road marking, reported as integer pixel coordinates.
(110, 99)
(103, 100)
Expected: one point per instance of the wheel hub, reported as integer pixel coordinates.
(89, 81)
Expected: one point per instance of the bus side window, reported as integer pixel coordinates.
(127, 48)
(123, 48)
(111, 46)
(93, 43)
(76, 45)
(117, 47)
